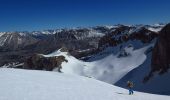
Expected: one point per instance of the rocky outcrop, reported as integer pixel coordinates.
(161, 53)
(39, 62)
(125, 33)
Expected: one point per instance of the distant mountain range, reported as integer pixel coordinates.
(81, 42)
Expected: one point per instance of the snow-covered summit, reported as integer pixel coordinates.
(153, 27)
(45, 32)
(15, 39)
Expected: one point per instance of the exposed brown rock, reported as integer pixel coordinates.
(161, 53)
(144, 35)
(64, 49)
(39, 62)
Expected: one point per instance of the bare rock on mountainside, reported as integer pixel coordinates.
(161, 55)
(125, 33)
(15, 40)
(39, 62)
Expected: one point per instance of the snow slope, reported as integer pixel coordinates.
(159, 84)
(155, 29)
(109, 69)
(17, 84)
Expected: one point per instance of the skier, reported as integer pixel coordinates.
(130, 86)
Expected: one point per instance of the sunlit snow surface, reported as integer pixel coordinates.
(155, 29)
(109, 69)
(16, 84)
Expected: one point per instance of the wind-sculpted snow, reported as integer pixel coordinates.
(109, 69)
(18, 84)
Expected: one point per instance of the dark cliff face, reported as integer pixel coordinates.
(161, 53)
(39, 62)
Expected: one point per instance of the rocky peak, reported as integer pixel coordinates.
(125, 33)
(64, 49)
(161, 55)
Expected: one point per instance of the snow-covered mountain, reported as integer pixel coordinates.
(129, 59)
(16, 84)
(113, 54)
(16, 46)
(15, 40)
(75, 33)
(93, 43)
(109, 69)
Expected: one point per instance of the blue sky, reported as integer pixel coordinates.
(29, 15)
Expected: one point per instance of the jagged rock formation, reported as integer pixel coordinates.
(39, 62)
(125, 33)
(161, 55)
(15, 40)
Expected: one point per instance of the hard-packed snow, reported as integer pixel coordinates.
(17, 84)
